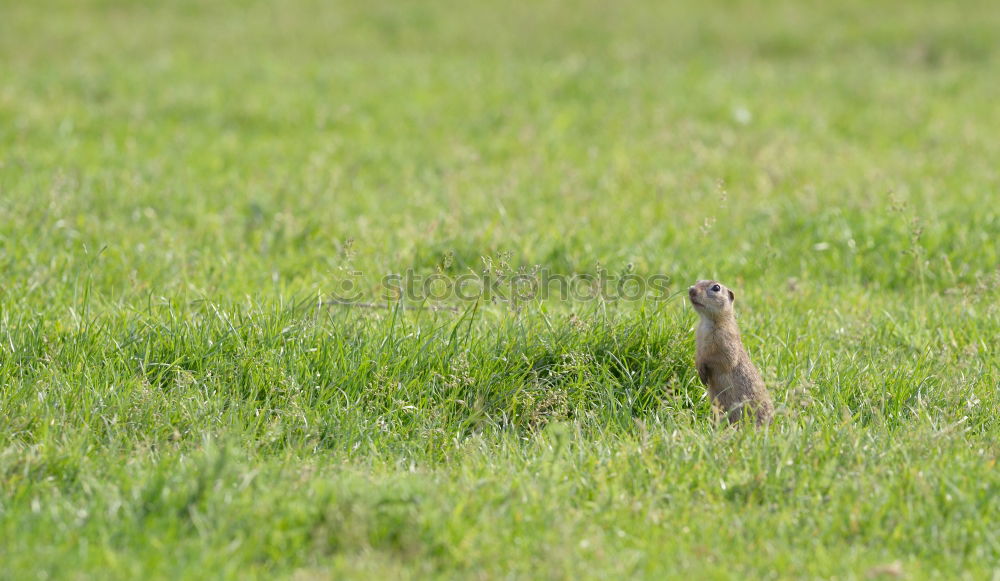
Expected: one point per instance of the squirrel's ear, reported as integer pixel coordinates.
(732, 297)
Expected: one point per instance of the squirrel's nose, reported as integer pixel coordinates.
(691, 291)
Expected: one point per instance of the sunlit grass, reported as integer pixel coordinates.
(187, 188)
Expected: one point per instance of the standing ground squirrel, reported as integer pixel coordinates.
(733, 382)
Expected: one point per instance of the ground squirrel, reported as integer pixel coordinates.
(733, 382)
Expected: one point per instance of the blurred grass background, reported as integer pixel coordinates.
(185, 137)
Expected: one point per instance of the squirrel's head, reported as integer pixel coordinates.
(711, 298)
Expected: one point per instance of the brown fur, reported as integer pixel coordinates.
(733, 383)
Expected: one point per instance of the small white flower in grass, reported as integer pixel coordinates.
(742, 115)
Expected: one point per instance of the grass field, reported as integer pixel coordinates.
(187, 188)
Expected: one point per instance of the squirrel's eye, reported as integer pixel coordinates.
(716, 288)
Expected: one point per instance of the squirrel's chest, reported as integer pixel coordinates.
(714, 345)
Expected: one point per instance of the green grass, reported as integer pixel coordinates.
(185, 185)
